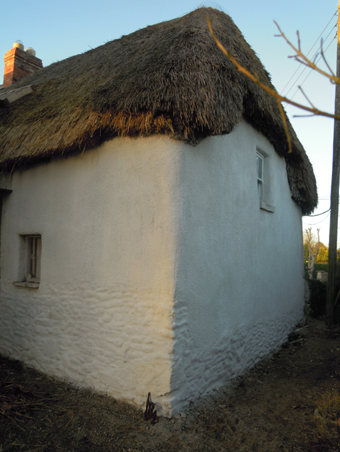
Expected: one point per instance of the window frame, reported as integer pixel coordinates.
(260, 177)
(33, 258)
(263, 181)
(30, 261)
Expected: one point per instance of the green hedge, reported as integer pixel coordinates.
(317, 268)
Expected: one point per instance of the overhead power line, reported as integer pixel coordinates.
(314, 224)
(317, 215)
(299, 68)
(310, 70)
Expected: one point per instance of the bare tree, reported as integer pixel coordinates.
(313, 249)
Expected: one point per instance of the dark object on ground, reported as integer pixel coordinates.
(318, 291)
(150, 412)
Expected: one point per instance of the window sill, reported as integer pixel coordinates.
(267, 207)
(27, 284)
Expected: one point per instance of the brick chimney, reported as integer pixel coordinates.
(19, 63)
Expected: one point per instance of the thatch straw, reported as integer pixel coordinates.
(17, 402)
(169, 78)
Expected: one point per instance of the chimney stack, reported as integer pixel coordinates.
(19, 63)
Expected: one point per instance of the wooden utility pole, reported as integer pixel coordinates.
(333, 229)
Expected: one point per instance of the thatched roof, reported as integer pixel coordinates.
(168, 78)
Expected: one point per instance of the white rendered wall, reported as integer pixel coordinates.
(159, 271)
(102, 316)
(239, 284)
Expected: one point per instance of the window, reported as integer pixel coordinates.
(30, 257)
(263, 174)
(259, 167)
(33, 253)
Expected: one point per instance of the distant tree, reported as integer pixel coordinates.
(323, 253)
(313, 249)
(305, 252)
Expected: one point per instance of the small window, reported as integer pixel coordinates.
(259, 167)
(263, 182)
(30, 258)
(33, 254)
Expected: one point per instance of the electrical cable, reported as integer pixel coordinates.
(298, 68)
(314, 224)
(307, 56)
(310, 71)
(317, 215)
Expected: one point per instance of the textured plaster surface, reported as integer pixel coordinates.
(239, 284)
(102, 316)
(159, 271)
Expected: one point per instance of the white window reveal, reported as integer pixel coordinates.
(263, 181)
(30, 261)
(33, 253)
(259, 168)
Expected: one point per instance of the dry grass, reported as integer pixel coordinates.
(271, 408)
(17, 402)
(327, 416)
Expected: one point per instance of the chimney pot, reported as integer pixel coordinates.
(31, 51)
(18, 45)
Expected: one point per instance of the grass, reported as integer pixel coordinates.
(327, 416)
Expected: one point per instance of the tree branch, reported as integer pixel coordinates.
(315, 111)
(301, 58)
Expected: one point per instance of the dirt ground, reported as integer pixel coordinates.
(271, 408)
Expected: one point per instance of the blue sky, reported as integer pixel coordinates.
(59, 29)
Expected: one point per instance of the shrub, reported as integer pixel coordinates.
(318, 291)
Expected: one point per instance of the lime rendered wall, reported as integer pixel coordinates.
(239, 280)
(102, 316)
(159, 271)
